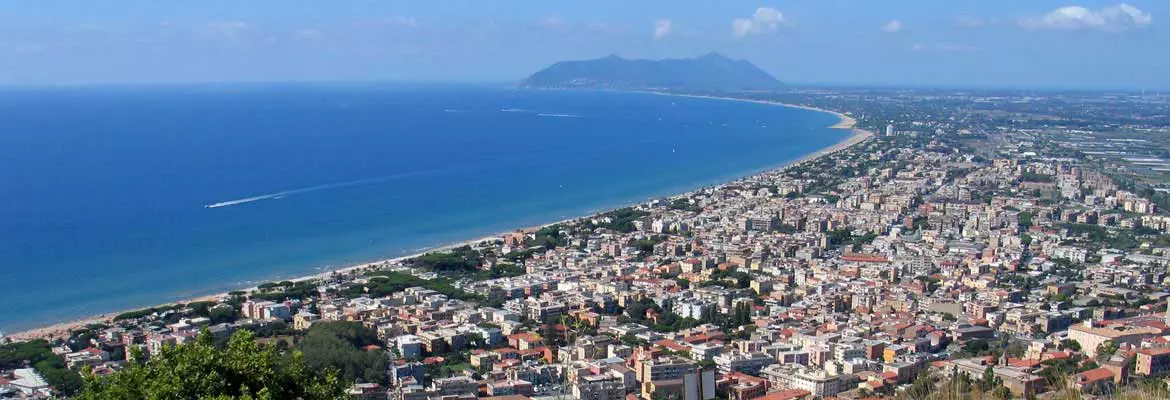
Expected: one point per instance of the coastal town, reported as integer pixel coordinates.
(980, 250)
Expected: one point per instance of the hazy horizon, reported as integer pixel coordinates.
(1042, 44)
(515, 82)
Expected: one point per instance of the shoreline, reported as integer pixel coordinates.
(62, 330)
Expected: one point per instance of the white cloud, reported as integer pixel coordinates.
(662, 28)
(1114, 18)
(894, 26)
(765, 19)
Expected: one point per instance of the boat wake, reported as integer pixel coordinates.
(560, 115)
(280, 195)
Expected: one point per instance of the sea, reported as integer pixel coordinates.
(120, 197)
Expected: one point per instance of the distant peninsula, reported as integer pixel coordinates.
(711, 71)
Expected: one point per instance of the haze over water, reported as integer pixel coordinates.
(105, 192)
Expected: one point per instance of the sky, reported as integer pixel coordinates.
(953, 43)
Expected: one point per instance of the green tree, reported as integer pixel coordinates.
(1069, 344)
(339, 345)
(1106, 349)
(39, 354)
(199, 370)
(989, 381)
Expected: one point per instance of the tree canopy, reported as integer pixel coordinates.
(39, 354)
(340, 345)
(200, 370)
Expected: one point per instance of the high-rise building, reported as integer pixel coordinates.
(890, 130)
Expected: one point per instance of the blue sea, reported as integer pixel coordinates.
(104, 191)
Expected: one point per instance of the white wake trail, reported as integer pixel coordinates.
(278, 195)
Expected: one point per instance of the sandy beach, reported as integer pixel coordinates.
(62, 330)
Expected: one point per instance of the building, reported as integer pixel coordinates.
(366, 391)
(674, 378)
(748, 363)
(455, 385)
(403, 370)
(1019, 382)
(744, 387)
(409, 346)
(1152, 361)
(265, 310)
(973, 332)
(1098, 380)
(817, 382)
(28, 382)
(1089, 335)
(510, 387)
(304, 319)
(599, 387)
(788, 394)
(92, 357)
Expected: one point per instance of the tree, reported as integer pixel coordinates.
(1069, 344)
(922, 387)
(339, 345)
(989, 381)
(199, 370)
(1106, 349)
(39, 354)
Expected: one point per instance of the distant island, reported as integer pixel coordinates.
(711, 71)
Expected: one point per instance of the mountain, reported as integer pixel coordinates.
(711, 71)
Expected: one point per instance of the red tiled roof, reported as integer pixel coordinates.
(1094, 375)
(1155, 352)
(1055, 355)
(670, 344)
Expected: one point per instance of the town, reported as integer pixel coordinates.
(1003, 243)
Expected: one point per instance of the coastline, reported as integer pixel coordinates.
(62, 330)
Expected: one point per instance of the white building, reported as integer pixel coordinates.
(409, 346)
(748, 363)
(818, 382)
(28, 382)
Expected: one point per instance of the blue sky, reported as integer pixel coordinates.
(1019, 43)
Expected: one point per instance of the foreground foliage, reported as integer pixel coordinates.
(929, 386)
(199, 370)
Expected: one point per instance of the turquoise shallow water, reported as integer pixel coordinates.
(104, 191)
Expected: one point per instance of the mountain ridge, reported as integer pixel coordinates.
(708, 71)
